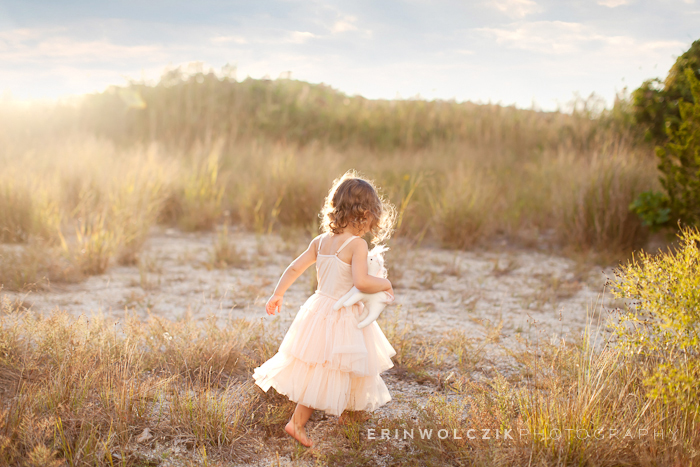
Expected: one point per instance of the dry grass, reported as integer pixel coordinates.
(35, 267)
(552, 290)
(93, 392)
(502, 268)
(137, 392)
(88, 203)
(225, 253)
(105, 202)
(569, 405)
(95, 177)
(415, 354)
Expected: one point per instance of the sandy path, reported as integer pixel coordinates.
(438, 290)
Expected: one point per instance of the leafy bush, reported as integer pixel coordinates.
(662, 322)
(679, 163)
(680, 159)
(655, 103)
(651, 207)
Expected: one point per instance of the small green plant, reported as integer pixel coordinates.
(652, 208)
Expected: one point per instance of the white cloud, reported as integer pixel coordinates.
(559, 37)
(17, 37)
(613, 3)
(345, 24)
(299, 37)
(23, 45)
(516, 8)
(540, 36)
(226, 39)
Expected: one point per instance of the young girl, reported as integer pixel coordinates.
(325, 362)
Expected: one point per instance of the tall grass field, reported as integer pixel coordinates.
(92, 177)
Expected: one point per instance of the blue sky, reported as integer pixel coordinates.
(507, 51)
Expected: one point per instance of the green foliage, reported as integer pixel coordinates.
(677, 384)
(650, 109)
(652, 207)
(679, 164)
(656, 103)
(680, 159)
(662, 320)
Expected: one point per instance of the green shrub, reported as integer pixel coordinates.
(680, 159)
(655, 103)
(679, 164)
(661, 324)
(652, 207)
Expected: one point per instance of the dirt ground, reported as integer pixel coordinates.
(499, 297)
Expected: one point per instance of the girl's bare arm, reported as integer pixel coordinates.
(292, 273)
(360, 278)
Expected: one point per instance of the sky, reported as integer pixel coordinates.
(531, 53)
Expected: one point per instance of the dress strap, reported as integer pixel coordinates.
(345, 243)
(320, 239)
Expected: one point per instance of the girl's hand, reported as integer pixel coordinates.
(274, 304)
(390, 290)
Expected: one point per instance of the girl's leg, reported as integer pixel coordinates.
(295, 426)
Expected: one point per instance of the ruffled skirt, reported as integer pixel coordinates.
(327, 363)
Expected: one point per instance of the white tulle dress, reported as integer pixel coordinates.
(325, 361)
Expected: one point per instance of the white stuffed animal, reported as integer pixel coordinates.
(374, 302)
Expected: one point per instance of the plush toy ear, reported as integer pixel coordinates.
(378, 251)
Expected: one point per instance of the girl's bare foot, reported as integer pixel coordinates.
(298, 433)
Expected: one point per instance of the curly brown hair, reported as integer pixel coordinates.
(352, 200)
